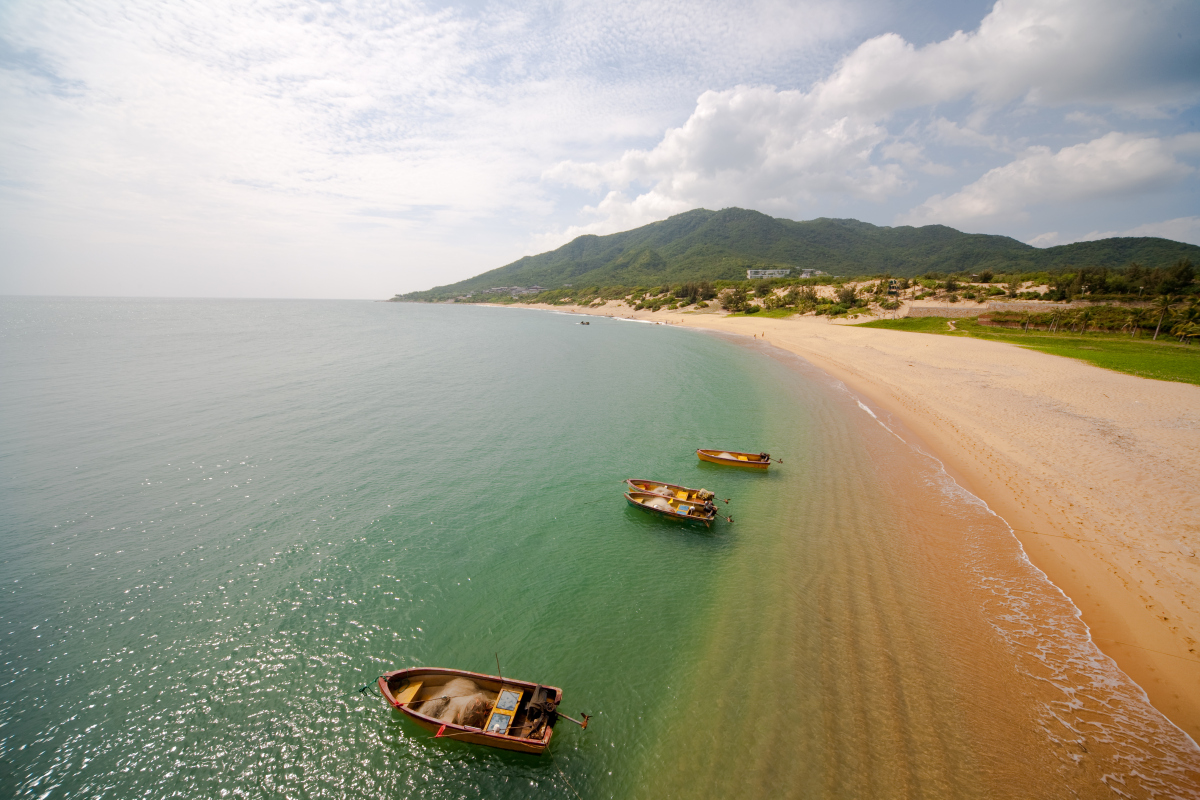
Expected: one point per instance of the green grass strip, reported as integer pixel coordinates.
(1164, 360)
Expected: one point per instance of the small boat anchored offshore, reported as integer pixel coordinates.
(702, 511)
(472, 707)
(732, 458)
(670, 490)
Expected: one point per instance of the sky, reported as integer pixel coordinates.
(359, 149)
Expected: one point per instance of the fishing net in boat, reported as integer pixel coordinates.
(726, 455)
(461, 702)
(705, 494)
(659, 503)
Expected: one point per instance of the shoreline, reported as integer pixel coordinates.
(1094, 471)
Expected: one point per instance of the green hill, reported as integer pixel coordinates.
(721, 245)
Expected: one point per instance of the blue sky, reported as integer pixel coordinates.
(358, 149)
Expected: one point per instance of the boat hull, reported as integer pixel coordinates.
(391, 683)
(637, 500)
(714, 457)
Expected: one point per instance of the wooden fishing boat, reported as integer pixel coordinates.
(669, 490)
(673, 507)
(472, 707)
(735, 459)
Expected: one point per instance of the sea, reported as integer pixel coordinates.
(221, 520)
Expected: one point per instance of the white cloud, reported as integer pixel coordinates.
(1093, 121)
(1114, 164)
(391, 123)
(1045, 239)
(781, 151)
(1115, 53)
(411, 133)
(748, 146)
(949, 132)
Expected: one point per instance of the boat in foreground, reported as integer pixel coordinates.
(669, 490)
(734, 459)
(673, 508)
(472, 707)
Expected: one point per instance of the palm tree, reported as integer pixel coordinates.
(1191, 312)
(1185, 327)
(1054, 315)
(1085, 317)
(1185, 330)
(1162, 305)
(1137, 318)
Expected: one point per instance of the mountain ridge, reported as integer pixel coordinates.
(720, 245)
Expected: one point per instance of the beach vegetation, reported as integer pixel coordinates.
(733, 298)
(1062, 333)
(1164, 305)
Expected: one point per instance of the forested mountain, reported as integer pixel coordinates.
(721, 245)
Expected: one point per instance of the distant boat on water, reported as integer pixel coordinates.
(733, 458)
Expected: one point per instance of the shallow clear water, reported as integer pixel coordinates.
(222, 518)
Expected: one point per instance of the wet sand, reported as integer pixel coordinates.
(1097, 472)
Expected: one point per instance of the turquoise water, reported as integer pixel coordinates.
(223, 518)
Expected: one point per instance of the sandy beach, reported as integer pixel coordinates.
(1097, 472)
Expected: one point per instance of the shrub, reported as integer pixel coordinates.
(733, 298)
(690, 293)
(752, 309)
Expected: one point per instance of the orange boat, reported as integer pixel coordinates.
(669, 490)
(672, 508)
(734, 459)
(472, 707)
